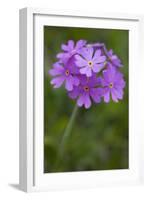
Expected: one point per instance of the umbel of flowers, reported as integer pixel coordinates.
(89, 73)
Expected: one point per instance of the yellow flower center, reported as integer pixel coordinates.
(111, 85)
(86, 88)
(67, 72)
(90, 63)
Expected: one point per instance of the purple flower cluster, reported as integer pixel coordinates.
(89, 72)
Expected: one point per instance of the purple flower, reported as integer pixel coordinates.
(112, 83)
(89, 72)
(89, 61)
(109, 54)
(86, 90)
(114, 58)
(63, 74)
(70, 49)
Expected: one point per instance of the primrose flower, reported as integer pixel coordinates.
(89, 61)
(89, 72)
(114, 58)
(63, 74)
(112, 83)
(86, 91)
(70, 49)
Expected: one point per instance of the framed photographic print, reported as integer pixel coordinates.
(80, 123)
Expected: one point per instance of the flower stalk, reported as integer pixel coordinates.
(68, 130)
(66, 135)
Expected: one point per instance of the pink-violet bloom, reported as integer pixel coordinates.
(86, 91)
(89, 61)
(70, 49)
(113, 58)
(63, 74)
(113, 84)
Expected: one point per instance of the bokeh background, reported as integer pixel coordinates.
(100, 135)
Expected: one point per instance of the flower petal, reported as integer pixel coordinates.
(56, 70)
(83, 80)
(63, 57)
(110, 52)
(90, 53)
(60, 55)
(75, 81)
(109, 74)
(58, 81)
(118, 93)
(80, 100)
(64, 47)
(87, 53)
(114, 96)
(87, 101)
(83, 70)
(69, 83)
(102, 59)
(96, 93)
(97, 54)
(107, 97)
(98, 67)
(70, 45)
(80, 44)
(93, 81)
(87, 71)
(74, 93)
(119, 81)
(80, 62)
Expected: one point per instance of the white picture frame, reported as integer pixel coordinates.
(31, 175)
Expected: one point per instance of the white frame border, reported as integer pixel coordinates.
(27, 160)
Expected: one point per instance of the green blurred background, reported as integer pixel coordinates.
(100, 135)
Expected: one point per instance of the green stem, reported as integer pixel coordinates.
(68, 129)
(66, 134)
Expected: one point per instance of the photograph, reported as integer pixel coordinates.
(86, 99)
